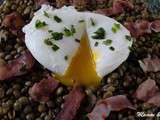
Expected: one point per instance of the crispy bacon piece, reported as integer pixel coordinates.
(14, 22)
(78, 3)
(150, 65)
(42, 91)
(71, 105)
(104, 107)
(100, 112)
(40, 2)
(155, 26)
(142, 27)
(17, 67)
(146, 90)
(138, 28)
(155, 100)
(149, 92)
(118, 7)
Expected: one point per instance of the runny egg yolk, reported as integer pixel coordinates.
(82, 69)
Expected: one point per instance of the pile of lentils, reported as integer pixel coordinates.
(16, 104)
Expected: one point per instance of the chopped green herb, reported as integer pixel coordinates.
(46, 14)
(66, 57)
(115, 27)
(50, 31)
(55, 47)
(57, 35)
(114, 30)
(80, 21)
(57, 19)
(107, 42)
(112, 48)
(73, 30)
(99, 34)
(48, 42)
(67, 32)
(96, 44)
(77, 40)
(40, 24)
(129, 38)
(92, 22)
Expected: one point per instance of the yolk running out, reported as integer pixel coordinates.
(82, 69)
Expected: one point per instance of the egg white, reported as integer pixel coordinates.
(107, 60)
(34, 38)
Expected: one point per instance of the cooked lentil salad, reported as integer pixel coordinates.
(17, 104)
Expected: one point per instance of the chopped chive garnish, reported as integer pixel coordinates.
(96, 44)
(57, 19)
(50, 31)
(114, 30)
(55, 47)
(66, 57)
(73, 30)
(80, 21)
(67, 32)
(48, 42)
(107, 42)
(77, 40)
(46, 14)
(40, 24)
(99, 34)
(129, 38)
(112, 48)
(57, 35)
(92, 22)
(116, 27)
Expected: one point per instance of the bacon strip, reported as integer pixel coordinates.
(118, 7)
(14, 22)
(155, 100)
(17, 67)
(104, 107)
(41, 91)
(150, 65)
(155, 26)
(142, 27)
(146, 90)
(149, 92)
(71, 105)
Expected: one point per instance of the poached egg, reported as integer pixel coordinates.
(78, 47)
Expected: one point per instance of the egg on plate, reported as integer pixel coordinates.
(78, 47)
